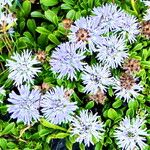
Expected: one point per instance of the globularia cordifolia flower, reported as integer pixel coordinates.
(85, 32)
(66, 61)
(57, 107)
(127, 88)
(147, 15)
(130, 135)
(147, 3)
(25, 106)
(109, 17)
(5, 2)
(21, 67)
(112, 51)
(86, 126)
(96, 78)
(130, 27)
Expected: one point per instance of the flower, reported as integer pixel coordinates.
(5, 2)
(147, 15)
(127, 87)
(85, 126)
(147, 3)
(96, 78)
(85, 32)
(130, 135)
(109, 17)
(145, 29)
(66, 60)
(112, 51)
(56, 106)
(129, 27)
(25, 106)
(21, 67)
(7, 20)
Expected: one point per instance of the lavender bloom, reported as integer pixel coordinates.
(85, 32)
(112, 51)
(96, 78)
(25, 106)
(56, 106)
(130, 135)
(86, 126)
(109, 17)
(21, 68)
(66, 60)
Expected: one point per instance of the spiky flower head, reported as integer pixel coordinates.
(85, 32)
(86, 126)
(95, 78)
(147, 15)
(24, 106)
(130, 135)
(21, 67)
(5, 2)
(127, 88)
(57, 107)
(66, 61)
(112, 51)
(109, 17)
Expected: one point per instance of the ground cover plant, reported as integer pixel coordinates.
(74, 74)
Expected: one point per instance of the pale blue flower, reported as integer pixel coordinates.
(86, 126)
(130, 134)
(24, 106)
(112, 51)
(66, 60)
(21, 67)
(95, 78)
(57, 107)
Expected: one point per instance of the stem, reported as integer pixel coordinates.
(134, 7)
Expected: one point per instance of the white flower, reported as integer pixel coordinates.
(56, 106)
(85, 32)
(147, 3)
(130, 27)
(25, 106)
(7, 19)
(87, 126)
(96, 78)
(127, 87)
(21, 67)
(109, 17)
(5, 2)
(147, 15)
(130, 135)
(66, 60)
(112, 51)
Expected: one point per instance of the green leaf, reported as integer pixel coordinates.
(49, 2)
(26, 6)
(98, 146)
(82, 146)
(3, 143)
(71, 14)
(138, 47)
(110, 91)
(112, 114)
(44, 132)
(42, 30)
(90, 3)
(68, 144)
(89, 105)
(130, 112)
(50, 125)
(57, 136)
(117, 103)
(51, 16)
(53, 39)
(31, 25)
(37, 14)
(8, 128)
(133, 104)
